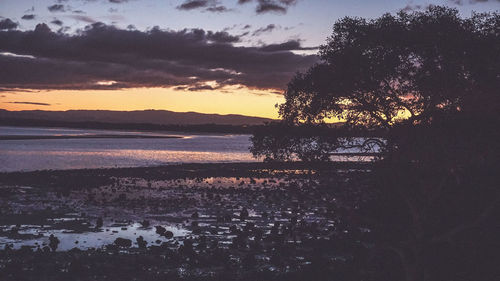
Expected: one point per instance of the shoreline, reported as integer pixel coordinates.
(185, 170)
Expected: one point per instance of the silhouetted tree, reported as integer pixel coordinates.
(377, 73)
(438, 198)
(430, 80)
(281, 142)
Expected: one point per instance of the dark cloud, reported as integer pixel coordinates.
(194, 4)
(29, 102)
(200, 87)
(7, 24)
(462, 2)
(118, 1)
(206, 5)
(86, 19)
(222, 37)
(270, 7)
(57, 22)
(291, 45)
(56, 8)
(268, 28)
(273, 6)
(218, 9)
(16, 90)
(99, 54)
(28, 17)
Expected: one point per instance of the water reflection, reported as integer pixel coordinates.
(41, 154)
(39, 236)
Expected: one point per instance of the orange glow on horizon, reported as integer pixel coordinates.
(229, 100)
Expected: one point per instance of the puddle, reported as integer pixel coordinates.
(98, 238)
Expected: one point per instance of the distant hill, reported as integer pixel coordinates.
(156, 117)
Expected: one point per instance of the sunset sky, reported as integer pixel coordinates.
(209, 56)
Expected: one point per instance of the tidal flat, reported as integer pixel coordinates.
(238, 221)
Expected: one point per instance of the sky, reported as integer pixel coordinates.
(208, 56)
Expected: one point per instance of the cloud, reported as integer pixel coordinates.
(29, 102)
(28, 17)
(206, 5)
(263, 6)
(411, 8)
(7, 24)
(268, 28)
(155, 58)
(218, 9)
(200, 87)
(270, 6)
(86, 19)
(56, 8)
(30, 10)
(57, 22)
(117, 1)
(222, 37)
(462, 2)
(194, 4)
(291, 45)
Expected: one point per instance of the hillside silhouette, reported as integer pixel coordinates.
(156, 117)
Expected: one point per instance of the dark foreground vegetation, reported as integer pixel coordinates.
(430, 82)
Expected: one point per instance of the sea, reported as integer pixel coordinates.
(33, 151)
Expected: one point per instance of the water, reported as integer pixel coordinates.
(57, 154)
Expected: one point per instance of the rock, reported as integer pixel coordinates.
(160, 229)
(53, 242)
(141, 242)
(168, 234)
(145, 223)
(122, 242)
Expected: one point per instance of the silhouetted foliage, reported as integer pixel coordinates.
(281, 142)
(379, 73)
(419, 64)
(438, 199)
(429, 80)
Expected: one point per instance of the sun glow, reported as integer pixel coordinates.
(227, 100)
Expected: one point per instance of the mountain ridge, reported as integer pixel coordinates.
(150, 116)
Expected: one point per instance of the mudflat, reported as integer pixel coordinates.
(245, 221)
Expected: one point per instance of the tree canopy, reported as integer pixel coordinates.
(377, 73)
